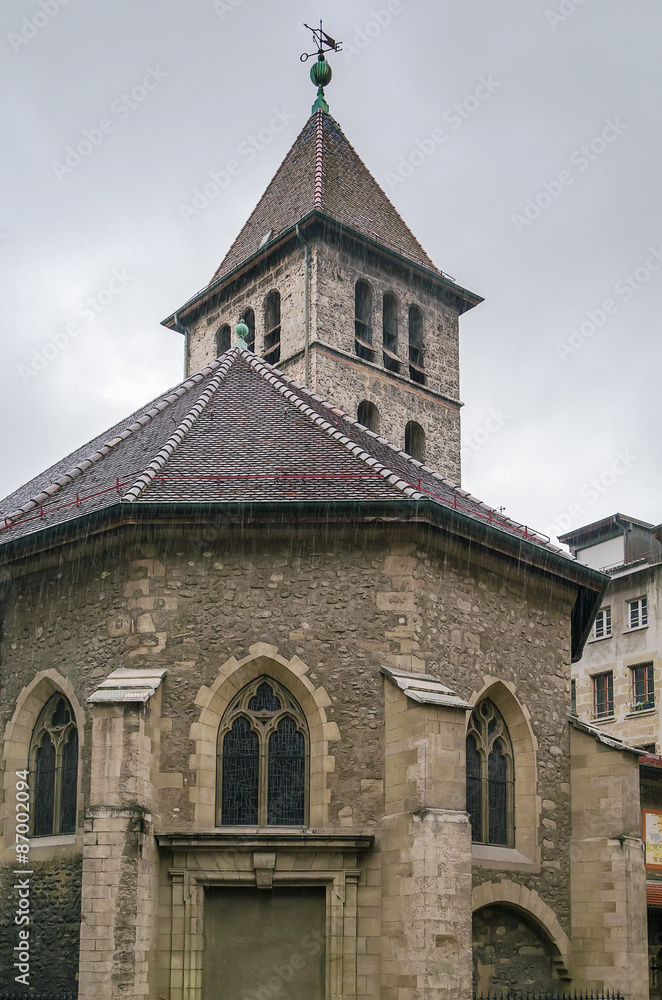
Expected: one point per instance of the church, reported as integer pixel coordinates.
(285, 710)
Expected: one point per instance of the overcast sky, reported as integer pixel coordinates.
(543, 196)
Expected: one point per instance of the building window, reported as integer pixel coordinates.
(272, 328)
(248, 316)
(223, 340)
(573, 697)
(368, 415)
(602, 624)
(416, 359)
(490, 777)
(390, 332)
(603, 695)
(363, 321)
(643, 687)
(638, 612)
(54, 769)
(415, 440)
(263, 759)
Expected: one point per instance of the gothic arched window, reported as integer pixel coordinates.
(223, 340)
(248, 317)
(363, 321)
(262, 753)
(490, 777)
(416, 359)
(54, 769)
(390, 332)
(272, 328)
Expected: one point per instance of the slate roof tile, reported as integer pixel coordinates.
(323, 171)
(238, 431)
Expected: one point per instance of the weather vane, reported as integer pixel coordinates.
(321, 73)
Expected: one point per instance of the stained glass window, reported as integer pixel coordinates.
(263, 758)
(490, 777)
(54, 769)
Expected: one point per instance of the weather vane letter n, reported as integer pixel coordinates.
(320, 73)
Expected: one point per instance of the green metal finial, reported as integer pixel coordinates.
(321, 73)
(241, 333)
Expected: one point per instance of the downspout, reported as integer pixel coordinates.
(184, 330)
(306, 311)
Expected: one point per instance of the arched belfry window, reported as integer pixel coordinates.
(490, 777)
(415, 440)
(263, 759)
(54, 769)
(368, 415)
(248, 317)
(416, 358)
(363, 321)
(272, 328)
(223, 340)
(390, 332)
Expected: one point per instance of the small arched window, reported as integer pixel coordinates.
(415, 440)
(263, 759)
(490, 777)
(272, 328)
(248, 317)
(363, 321)
(390, 332)
(368, 415)
(416, 358)
(54, 769)
(223, 340)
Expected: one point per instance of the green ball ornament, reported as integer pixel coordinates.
(242, 331)
(320, 73)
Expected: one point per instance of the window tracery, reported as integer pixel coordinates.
(54, 769)
(490, 777)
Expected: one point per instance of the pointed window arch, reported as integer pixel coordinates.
(416, 357)
(272, 327)
(223, 339)
(54, 769)
(490, 777)
(363, 321)
(390, 332)
(263, 759)
(248, 317)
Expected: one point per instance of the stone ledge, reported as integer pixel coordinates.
(261, 840)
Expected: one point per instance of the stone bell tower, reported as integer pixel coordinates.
(338, 293)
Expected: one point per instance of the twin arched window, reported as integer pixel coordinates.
(262, 749)
(490, 777)
(54, 769)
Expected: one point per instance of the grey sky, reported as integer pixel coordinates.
(546, 411)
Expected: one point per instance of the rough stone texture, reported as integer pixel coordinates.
(55, 899)
(608, 877)
(509, 952)
(344, 602)
(336, 373)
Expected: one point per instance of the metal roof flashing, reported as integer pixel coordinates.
(128, 684)
(425, 689)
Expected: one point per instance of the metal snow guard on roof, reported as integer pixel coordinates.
(129, 684)
(424, 688)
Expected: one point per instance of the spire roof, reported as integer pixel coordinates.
(323, 172)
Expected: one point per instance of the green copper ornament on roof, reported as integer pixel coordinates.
(321, 72)
(242, 333)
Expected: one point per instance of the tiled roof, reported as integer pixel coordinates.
(238, 431)
(323, 171)
(654, 893)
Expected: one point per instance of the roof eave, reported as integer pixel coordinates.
(173, 322)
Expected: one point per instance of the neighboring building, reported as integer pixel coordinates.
(617, 683)
(292, 705)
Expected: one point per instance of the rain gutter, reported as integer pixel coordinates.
(436, 276)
